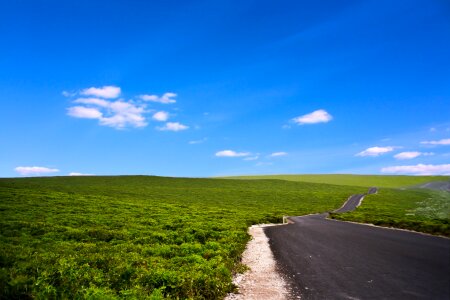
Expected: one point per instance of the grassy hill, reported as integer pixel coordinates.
(389, 181)
(143, 237)
(408, 208)
(138, 236)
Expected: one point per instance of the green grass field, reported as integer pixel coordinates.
(354, 180)
(143, 237)
(413, 209)
(397, 204)
(138, 237)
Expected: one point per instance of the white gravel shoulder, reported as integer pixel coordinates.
(262, 281)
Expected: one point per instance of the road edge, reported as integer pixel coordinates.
(262, 281)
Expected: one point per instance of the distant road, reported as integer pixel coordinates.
(436, 185)
(328, 259)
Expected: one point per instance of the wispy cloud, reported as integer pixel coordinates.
(419, 169)
(262, 164)
(411, 155)
(198, 141)
(173, 126)
(108, 92)
(375, 151)
(436, 143)
(35, 170)
(231, 153)
(252, 157)
(68, 94)
(161, 116)
(166, 98)
(318, 116)
(276, 154)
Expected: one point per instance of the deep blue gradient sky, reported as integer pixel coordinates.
(242, 71)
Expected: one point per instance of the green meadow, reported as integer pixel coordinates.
(413, 209)
(145, 237)
(398, 203)
(138, 237)
(392, 181)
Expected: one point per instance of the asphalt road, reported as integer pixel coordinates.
(436, 185)
(328, 259)
(350, 204)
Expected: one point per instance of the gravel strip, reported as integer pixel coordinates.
(262, 281)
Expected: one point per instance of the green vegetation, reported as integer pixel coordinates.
(414, 209)
(137, 237)
(420, 210)
(354, 180)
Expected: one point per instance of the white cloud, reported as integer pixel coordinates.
(79, 174)
(275, 154)
(123, 114)
(84, 112)
(375, 151)
(252, 157)
(35, 170)
(419, 169)
(68, 94)
(411, 155)
(93, 101)
(318, 116)
(407, 155)
(262, 164)
(161, 116)
(166, 98)
(440, 142)
(108, 91)
(231, 153)
(117, 114)
(173, 126)
(198, 141)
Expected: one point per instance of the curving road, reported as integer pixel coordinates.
(328, 259)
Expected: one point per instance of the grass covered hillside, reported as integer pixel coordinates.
(414, 209)
(397, 204)
(387, 181)
(138, 236)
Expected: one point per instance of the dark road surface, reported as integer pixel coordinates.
(350, 204)
(436, 185)
(328, 259)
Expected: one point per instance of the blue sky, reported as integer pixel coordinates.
(209, 88)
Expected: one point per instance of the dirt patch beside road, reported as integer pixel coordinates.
(262, 281)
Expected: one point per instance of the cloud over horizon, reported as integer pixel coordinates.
(79, 174)
(419, 169)
(35, 170)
